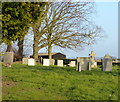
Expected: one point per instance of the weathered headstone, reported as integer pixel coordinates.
(8, 59)
(107, 63)
(72, 63)
(60, 63)
(31, 62)
(83, 63)
(46, 62)
(94, 64)
(25, 61)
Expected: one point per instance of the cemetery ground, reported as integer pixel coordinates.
(23, 82)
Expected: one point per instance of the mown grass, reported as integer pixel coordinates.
(22, 82)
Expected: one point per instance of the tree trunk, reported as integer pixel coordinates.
(9, 48)
(20, 50)
(35, 45)
(50, 53)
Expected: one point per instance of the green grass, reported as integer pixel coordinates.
(58, 83)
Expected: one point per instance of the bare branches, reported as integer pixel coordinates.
(68, 25)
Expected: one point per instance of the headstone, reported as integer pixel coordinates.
(83, 63)
(25, 61)
(107, 63)
(52, 62)
(89, 65)
(8, 59)
(72, 64)
(31, 62)
(94, 64)
(60, 63)
(46, 62)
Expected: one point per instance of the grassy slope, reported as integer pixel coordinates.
(54, 83)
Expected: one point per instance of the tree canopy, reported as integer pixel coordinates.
(17, 17)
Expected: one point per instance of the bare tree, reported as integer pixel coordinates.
(68, 25)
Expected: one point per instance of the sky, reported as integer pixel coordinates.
(106, 16)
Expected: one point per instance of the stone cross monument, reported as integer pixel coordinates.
(92, 56)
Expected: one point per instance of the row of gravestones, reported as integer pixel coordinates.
(82, 63)
(46, 62)
(9, 56)
(86, 63)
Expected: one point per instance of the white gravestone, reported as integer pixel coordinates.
(31, 62)
(8, 59)
(46, 62)
(25, 61)
(72, 64)
(60, 63)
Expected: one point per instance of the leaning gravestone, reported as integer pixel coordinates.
(107, 63)
(83, 63)
(60, 63)
(8, 59)
(46, 62)
(25, 61)
(31, 62)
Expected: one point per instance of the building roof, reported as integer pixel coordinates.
(46, 54)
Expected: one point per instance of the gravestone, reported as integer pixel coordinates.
(83, 63)
(24, 60)
(60, 63)
(46, 62)
(31, 62)
(52, 62)
(8, 59)
(107, 63)
(72, 63)
(94, 64)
